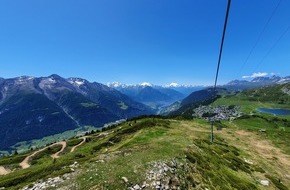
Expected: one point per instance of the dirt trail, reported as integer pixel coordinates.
(4, 171)
(56, 155)
(84, 140)
(25, 163)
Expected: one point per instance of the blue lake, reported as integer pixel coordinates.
(274, 111)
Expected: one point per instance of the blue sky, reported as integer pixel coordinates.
(132, 41)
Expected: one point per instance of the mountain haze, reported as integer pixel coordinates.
(155, 96)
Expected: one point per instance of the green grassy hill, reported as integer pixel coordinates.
(279, 94)
(166, 154)
(276, 96)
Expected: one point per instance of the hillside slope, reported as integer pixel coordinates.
(153, 96)
(276, 93)
(31, 116)
(155, 153)
(185, 106)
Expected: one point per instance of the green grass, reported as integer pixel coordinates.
(277, 130)
(276, 182)
(129, 150)
(18, 179)
(12, 161)
(44, 156)
(221, 166)
(26, 145)
(73, 142)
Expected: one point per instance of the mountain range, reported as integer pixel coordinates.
(183, 89)
(36, 107)
(32, 108)
(256, 82)
(158, 97)
(155, 96)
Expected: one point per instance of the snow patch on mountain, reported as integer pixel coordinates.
(284, 80)
(47, 83)
(116, 84)
(23, 79)
(76, 81)
(173, 84)
(145, 84)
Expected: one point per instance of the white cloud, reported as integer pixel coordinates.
(258, 74)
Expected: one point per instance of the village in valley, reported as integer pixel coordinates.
(217, 113)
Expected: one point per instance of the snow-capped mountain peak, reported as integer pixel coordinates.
(275, 78)
(116, 84)
(257, 82)
(173, 84)
(145, 84)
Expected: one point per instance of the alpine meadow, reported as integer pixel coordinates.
(153, 95)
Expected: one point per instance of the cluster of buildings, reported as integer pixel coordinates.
(217, 113)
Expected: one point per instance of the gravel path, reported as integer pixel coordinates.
(84, 140)
(25, 163)
(4, 171)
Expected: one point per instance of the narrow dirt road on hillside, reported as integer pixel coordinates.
(56, 155)
(25, 163)
(4, 171)
(84, 140)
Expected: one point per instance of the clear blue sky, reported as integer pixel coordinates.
(132, 41)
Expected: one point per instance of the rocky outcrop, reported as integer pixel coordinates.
(162, 175)
(53, 183)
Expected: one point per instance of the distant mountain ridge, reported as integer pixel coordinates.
(32, 107)
(256, 82)
(184, 89)
(155, 96)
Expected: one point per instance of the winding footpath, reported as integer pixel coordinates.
(25, 163)
(84, 140)
(4, 171)
(63, 144)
